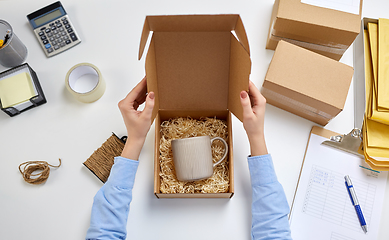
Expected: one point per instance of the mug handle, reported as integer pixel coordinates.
(225, 149)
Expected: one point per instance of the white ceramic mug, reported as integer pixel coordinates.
(193, 157)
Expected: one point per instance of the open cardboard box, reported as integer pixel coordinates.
(196, 67)
(325, 31)
(307, 84)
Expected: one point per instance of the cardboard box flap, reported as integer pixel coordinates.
(241, 34)
(152, 83)
(194, 23)
(192, 69)
(143, 39)
(195, 63)
(240, 69)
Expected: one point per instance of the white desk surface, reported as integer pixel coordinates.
(70, 130)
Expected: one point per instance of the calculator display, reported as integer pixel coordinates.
(47, 17)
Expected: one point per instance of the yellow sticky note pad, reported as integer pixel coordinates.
(16, 89)
(383, 64)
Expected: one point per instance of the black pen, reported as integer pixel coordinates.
(7, 36)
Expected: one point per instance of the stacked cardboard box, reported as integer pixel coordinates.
(326, 31)
(306, 83)
(304, 76)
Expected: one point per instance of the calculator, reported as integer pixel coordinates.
(53, 29)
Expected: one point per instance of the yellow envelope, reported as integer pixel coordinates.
(368, 76)
(377, 134)
(376, 158)
(371, 76)
(374, 167)
(373, 42)
(383, 64)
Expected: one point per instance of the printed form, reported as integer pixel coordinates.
(322, 208)
(350, 6)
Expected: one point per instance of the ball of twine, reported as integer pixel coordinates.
(28, 168)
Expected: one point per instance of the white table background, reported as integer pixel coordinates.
(70, 130)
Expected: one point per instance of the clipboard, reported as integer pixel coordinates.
(320, 132)
(321, 191)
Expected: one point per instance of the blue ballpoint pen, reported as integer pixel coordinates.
(355, 202)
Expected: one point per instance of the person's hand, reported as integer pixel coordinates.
(137, 122)
(254, 104)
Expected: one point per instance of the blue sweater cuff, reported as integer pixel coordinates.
(262, 168)
(123, 172)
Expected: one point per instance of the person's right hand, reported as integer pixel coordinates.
(137, 122)
(254, 104)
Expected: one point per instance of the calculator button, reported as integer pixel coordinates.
(63, 33)
(62, 44)
(55, 31)
(65, 22)
(45, 42)
(56, 47)
(43, 28)
(47, 46)
(54, 42)
(53, 28)
(68, 41)
(41, 34)
(70, 30)
(50, 50)
(52, 24)
(67, 26)
(52, 39)
(47, 30)
(59, 25)
(43, 37)
(61, 29)
(57, 21)
(74, 37)
(50, 34)
(66, 38)
(63, 19)
(57, 36)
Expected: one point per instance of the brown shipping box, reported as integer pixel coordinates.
(197, 68)
(306, 83)
(322, 30)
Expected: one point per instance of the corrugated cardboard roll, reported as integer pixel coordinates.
(85, 82)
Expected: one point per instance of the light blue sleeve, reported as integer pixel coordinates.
(111, 204)
(269, 208)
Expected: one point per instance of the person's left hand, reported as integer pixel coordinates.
(137, 122)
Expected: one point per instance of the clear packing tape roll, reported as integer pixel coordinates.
(85, 82)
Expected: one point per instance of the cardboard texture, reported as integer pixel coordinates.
(306, 83)
(197, 68)
(325, 31)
